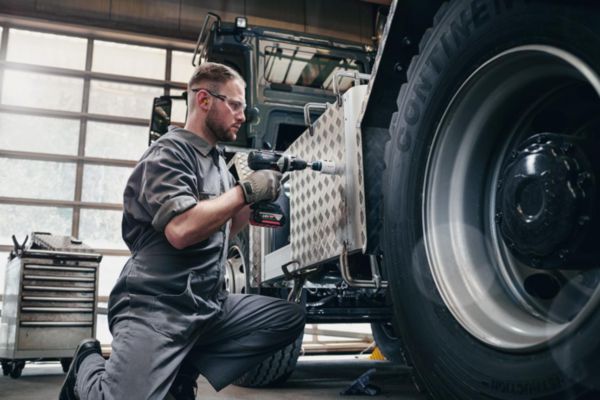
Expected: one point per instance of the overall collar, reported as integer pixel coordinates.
(199, 144)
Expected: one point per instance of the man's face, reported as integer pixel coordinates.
(226, 116)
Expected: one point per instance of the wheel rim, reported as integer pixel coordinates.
(487, 288)
(235, 271)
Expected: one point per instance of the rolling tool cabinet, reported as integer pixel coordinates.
(49, 302)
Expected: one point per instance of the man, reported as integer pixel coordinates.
(168, 312)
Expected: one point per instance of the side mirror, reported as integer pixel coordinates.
(252, 115)
(161, 117)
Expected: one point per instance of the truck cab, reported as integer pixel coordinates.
(283, 72)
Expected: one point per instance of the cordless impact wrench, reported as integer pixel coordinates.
(269, 214)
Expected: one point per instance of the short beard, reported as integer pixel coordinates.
(212, 123)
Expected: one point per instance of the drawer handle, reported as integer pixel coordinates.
(57, 309)
(58, 278)
(71, 299)
(69, 269)
(58, 288)
(51, 323)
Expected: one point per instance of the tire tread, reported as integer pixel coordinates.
(275, 369)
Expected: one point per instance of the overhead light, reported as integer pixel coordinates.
(241, 23)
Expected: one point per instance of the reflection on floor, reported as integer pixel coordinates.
(322, 377)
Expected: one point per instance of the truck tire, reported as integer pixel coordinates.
(277, 368)
(493, 261)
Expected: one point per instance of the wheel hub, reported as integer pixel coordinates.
(235, 271)
(543, 200)
(491, 211)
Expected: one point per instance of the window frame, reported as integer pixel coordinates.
(83, 116)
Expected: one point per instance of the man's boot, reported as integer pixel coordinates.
(85, 348)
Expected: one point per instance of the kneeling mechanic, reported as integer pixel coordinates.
(169, 314)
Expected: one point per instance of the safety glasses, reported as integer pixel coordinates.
(234, 105)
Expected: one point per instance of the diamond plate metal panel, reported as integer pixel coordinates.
(327, 211)
(240, 160)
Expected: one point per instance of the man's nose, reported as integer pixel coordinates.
(241, 116)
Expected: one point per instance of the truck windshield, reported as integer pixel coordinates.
(297, 65)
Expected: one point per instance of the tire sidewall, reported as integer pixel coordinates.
(451, 362)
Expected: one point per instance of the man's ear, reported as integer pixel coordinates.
(202, 99)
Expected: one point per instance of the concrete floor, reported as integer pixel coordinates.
(322, 377)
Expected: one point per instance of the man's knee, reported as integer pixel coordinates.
(277, 316)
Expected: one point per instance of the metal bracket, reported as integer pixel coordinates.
(298, 278)
(307, 108)
(375, 282)
(200, 49)
(357, 76)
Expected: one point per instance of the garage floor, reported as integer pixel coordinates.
(322, 377)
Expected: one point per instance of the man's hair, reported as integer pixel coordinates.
(214, 73)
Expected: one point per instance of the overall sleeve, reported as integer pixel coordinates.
(169, 186)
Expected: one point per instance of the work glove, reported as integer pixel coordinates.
(261, 185)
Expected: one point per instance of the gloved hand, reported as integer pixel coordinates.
(261, 185)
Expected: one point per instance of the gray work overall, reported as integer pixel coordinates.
(169, 306)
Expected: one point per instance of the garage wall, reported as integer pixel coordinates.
(344, 19)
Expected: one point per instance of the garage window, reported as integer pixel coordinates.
(19, 220)
(21, 133)
(46, 49)
(102, 228)
(49, 180)
(122, 99)
(100, 182)
(130, 60)
(52, 92)
(74, 115)
(106, 140)
(181, 67)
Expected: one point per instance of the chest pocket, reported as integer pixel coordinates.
(213, 187)
(212, 176)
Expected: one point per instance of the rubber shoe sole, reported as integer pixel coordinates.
(85, 348)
